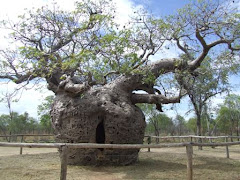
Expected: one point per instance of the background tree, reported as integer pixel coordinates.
(94, 68)
(192, 125)
(158, 123)
(211, 80)
(180, 124)
(18, 123)
(161, 124)
(44, 114)
(232, 101)
(8, 98)
(21, 124)
(4, 119)
(209, 123)
(229, 115)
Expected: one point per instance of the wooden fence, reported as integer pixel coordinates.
(24, 135)
(192, 137)
(65, 146)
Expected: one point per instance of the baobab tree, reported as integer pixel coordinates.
(95, 67)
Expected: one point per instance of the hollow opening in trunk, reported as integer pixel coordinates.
(100, 134)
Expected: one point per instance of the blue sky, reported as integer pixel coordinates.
(162, 7)
(32, 98)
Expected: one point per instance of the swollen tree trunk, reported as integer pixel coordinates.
(104, 115)
(107, 113)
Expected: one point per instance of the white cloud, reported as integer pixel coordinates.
(124, 10)
(13, 8)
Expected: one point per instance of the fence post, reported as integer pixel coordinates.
(21, 148)
(189, 149)
(64, 158)
(149, 142)
(227, 150)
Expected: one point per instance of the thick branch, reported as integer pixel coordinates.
(75, 89)
(155, 99)
(200, 38)
(145, 87)
(206, 47)
(7, 77)
(197, 62)
(164, 66)
(135, 81)
(151, 90)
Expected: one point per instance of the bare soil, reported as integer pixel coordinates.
(167, 163)
(8, 151)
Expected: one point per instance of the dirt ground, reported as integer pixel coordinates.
(166, 163)
(8, 151)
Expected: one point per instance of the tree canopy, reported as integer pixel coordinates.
(76, 50)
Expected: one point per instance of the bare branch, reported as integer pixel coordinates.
(185, 50)
(69, 38)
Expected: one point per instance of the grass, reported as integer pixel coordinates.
(167, 163)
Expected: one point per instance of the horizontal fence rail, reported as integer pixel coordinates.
(14, 135)
(160, 137)
(113, 146)
(193, 136)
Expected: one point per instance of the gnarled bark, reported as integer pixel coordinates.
(100, 115)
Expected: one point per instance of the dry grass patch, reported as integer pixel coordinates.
(159, 164)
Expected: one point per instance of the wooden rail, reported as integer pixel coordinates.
(9, 137)
(64, 149)
(14, 135)
(192, 136)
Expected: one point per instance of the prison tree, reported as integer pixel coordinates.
(95, 66)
